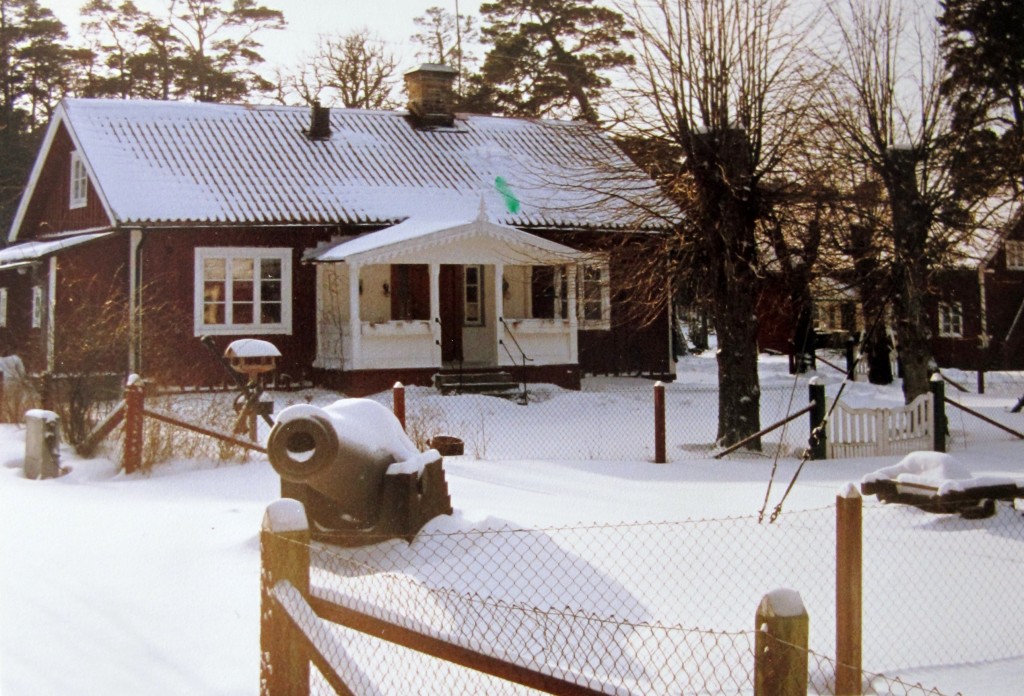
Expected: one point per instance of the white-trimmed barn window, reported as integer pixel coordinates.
(1015, 255)
(594, 295)
(951, 320)
(79, 182)
(473, 295)
(241, 290)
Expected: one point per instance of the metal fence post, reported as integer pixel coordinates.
(398, 393)
(134, 404)
(819, 439)
(284, 555)
(780, 645)
(849, 575)
(940, 427)
(659, 423)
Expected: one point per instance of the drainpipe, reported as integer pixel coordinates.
(51, 312)
(135, 301)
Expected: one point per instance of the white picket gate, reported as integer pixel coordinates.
(877, 432)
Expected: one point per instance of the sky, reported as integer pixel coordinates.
(391, 20)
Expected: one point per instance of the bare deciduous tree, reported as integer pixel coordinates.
(890, 119)
(722, 83)
(353, 70)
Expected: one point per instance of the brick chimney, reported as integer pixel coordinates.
(431, 94)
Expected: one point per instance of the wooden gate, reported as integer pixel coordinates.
(878, 432)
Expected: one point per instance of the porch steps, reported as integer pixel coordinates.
(488, 383)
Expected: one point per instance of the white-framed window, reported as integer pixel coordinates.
(593, 296)
(37, 306)
(951, 320)
(242, 290)
(79, 182)
(1014, 254)
(3, 307)
(473, 295)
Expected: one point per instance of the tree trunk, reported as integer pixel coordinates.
(910, 224)
(727, 216)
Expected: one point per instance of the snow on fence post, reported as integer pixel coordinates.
(939, 427)
(398, 392)
(284, 556)
(780, 645)
(659, 423)
(134, 404)
(849, 575)
(819, 440)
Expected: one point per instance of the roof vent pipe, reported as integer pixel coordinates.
(319, 122)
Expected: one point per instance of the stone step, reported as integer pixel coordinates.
(493, 383)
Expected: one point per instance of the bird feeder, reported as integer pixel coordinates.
(252, 357)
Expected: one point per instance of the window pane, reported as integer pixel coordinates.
(241, 312)
(270, 313)
(270, 269)
(214, 269)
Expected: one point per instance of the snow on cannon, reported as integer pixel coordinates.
(360, 477)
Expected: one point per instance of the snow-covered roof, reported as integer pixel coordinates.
(156, 162)
(27, 252)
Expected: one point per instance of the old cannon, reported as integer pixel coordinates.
(358, 474)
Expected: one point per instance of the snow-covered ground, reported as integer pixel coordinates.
(149, 584)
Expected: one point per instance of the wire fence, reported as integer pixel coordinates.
(610, 423)
(668, 608)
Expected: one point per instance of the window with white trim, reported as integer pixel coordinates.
(242, 290)
(473, 294)
(3, 307)
(37, 306)
(593, 299)
(79, 182)
(1014, 255)
(951, 320)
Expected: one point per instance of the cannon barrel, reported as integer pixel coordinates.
(341, 452)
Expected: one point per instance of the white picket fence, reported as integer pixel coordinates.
(877, 432)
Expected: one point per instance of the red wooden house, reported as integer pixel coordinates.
(368, 246)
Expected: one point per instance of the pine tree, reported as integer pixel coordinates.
(35, 69)
(550, 56)
(983, 44)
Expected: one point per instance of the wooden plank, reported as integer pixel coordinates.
(171, 420)
(442, 650)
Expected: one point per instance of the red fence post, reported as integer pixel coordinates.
(659, 423)
(284, 556)
(849, 574)
(134, 403)
(399, 398)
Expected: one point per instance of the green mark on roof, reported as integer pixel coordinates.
(511, 202)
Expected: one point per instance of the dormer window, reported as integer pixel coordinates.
(79, 182)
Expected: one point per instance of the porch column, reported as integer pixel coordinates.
(574, 323)
(354, 323)
(499, 310)
(435, 312)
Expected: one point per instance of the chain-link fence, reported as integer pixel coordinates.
(610, 423)
(659, 608)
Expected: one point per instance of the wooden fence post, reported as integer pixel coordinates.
(284, 555)
(849, 574)
(780, 645)
(819, 439)
(940, 427)
(659, 424)
(134, 404)
(398, 393)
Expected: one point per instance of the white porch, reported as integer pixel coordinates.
(482, 306)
